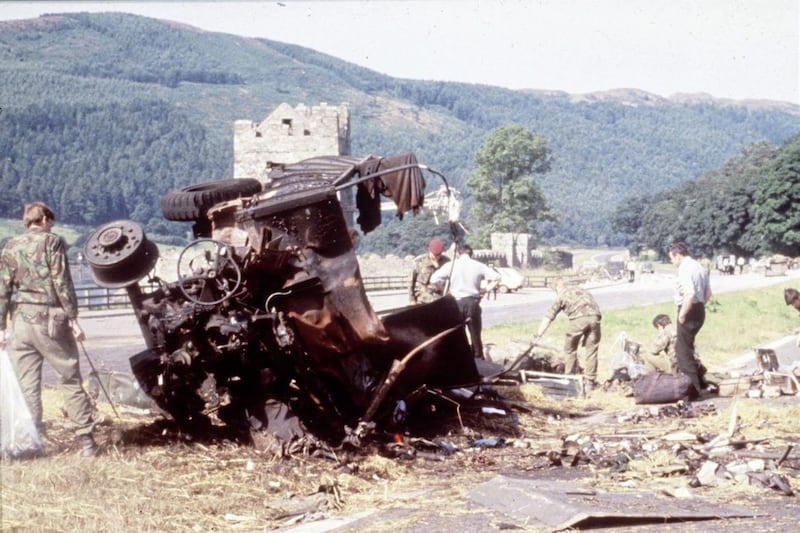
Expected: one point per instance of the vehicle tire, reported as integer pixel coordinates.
(503, 289)
(192, 202)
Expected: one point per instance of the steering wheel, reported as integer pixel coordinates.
(207, 272)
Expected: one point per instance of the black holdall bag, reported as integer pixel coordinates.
(661, 387)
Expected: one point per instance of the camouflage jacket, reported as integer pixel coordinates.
(664, 344)
(575, 302)
(420, 289)
(35, 265)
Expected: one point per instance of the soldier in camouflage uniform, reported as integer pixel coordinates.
(584, 328)
(420, 289)
(45, 319)
(662, 351)
(662, 356)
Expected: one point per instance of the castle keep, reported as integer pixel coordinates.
(289, 134)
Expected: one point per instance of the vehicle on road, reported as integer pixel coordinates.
(511, 279)
(615, 266)
(726, 264)
(647, 268)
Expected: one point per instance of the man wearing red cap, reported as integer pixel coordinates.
(420, 289)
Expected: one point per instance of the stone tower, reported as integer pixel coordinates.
(289, 135)
(514, 246)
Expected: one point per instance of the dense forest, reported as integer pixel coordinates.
(104, 113)
(749, 206)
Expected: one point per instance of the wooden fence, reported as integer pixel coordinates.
(385, 283)
(93, 297)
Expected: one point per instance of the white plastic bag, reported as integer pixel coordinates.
(623, 358)
(18, 435)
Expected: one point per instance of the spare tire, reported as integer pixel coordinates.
(192, 202)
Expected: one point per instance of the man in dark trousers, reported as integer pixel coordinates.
(692, 292)
(466, 276)
(792, 297)
(45, 319)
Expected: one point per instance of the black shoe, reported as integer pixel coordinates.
(88, 446)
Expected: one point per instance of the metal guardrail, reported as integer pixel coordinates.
(92, 297)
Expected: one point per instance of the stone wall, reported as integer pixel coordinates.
(289, 134)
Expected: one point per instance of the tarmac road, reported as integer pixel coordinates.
(112, 337)
(530, 304)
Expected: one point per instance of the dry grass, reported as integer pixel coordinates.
(149, 477)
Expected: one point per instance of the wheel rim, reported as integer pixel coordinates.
(119, 254)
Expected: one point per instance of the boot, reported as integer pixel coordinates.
(88, 445)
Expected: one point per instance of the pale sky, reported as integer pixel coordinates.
(727, 48)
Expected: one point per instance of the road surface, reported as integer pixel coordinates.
(530, 304)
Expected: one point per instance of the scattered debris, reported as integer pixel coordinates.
(766, 381)
(542, 366)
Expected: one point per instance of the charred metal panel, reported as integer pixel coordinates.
(312, 223)
(446, 363)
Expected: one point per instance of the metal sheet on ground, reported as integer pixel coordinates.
(555, 385)
(559, 505)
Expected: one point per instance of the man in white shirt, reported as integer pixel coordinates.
(692, 291)
(465, 275)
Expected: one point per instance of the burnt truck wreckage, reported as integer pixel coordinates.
(267, 330)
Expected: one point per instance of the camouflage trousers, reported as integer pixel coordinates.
(582, 330)
(30, 346)
(658, 363)
(426, 296)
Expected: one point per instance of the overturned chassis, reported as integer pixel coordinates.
(268, 329)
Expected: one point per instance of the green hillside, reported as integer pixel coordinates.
(103, 113)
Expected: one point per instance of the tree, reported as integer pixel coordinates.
(505, 196)
(712, 213)
(627, 218)
(658, 226)
(776, 209)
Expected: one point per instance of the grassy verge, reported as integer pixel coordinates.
(736, 322)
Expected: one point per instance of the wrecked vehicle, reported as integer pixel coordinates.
(267, 329)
